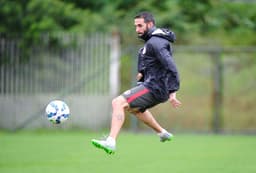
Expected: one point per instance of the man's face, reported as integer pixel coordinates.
(141, 26)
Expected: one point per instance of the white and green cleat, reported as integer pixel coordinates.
(107, 145)
(165, 136)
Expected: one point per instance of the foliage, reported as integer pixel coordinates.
(32, 17)
(189, 19)
(201, 22)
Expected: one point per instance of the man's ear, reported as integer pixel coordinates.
(150, 24)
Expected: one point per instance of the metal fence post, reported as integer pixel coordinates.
(217, 94)
(114, 64)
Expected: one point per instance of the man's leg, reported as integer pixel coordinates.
(118, 117)
(149, 120)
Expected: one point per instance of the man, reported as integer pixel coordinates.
(158, 81)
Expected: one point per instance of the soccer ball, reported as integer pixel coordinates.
(57, 111)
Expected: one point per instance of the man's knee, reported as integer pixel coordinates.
(119, 102)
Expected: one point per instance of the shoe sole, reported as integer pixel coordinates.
(166, 139)
(107, 150)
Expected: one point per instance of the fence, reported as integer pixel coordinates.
(79, 69)
(217, 84)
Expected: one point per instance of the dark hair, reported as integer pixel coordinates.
(148, 17)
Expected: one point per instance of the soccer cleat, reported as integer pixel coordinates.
(165, 136)
(107, 145)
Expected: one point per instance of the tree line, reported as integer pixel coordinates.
(194, 21)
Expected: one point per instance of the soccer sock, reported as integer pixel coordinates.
(163, 131)
(111, 140)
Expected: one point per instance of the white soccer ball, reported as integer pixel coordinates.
(57, 111)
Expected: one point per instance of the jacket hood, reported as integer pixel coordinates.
(164, 33)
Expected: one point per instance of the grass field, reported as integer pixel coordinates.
(72, 152)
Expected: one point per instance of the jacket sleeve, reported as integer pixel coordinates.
(141, 66)
(140, 62)
(164, 53)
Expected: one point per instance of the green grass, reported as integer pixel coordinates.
(72, 152)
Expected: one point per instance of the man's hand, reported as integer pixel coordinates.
(174, 101)
(139, 76)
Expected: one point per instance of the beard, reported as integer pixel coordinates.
(144, 35)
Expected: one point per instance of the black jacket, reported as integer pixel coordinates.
(156, 63)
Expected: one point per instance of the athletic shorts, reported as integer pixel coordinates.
(139, 99)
